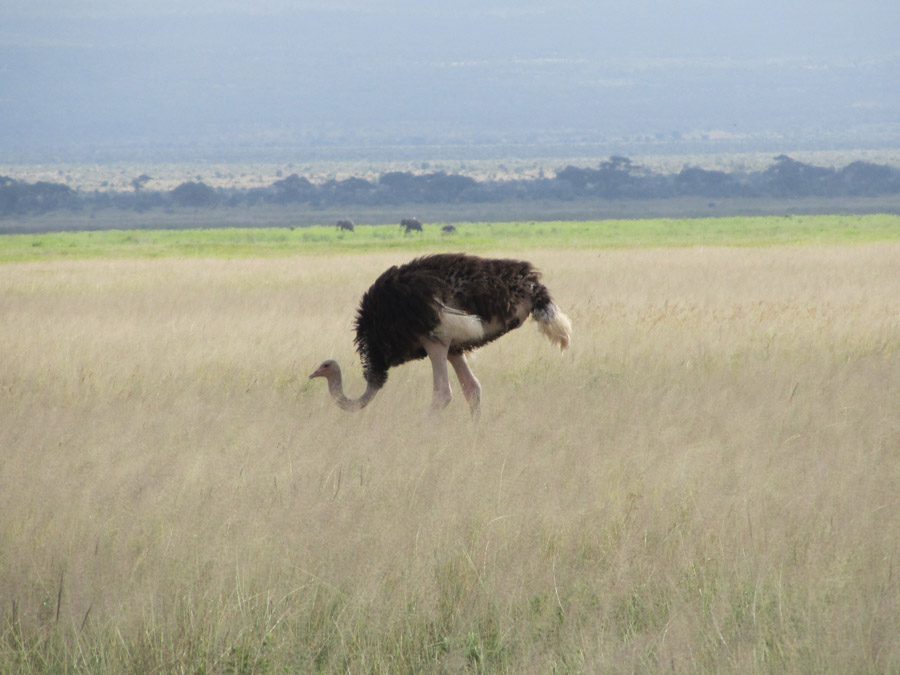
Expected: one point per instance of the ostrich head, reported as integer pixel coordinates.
(331, 371)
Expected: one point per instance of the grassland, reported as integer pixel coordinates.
(473, 236)
(708, 481)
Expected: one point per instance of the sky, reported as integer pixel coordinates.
(97, 77)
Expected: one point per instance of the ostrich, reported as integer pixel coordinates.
(411, 224)
(345, 225)
(442, 306)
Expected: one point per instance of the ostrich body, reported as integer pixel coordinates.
(442, 306)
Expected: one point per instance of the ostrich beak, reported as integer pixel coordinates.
(321, 371)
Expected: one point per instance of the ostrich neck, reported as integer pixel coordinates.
(336, 389)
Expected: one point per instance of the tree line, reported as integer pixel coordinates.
(616, 178)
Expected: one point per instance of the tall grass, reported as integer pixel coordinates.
(706, 482)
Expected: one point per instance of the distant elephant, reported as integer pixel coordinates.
(411, 224)
(449, 229)
(345, 225)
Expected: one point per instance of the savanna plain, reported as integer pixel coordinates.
(707, 481)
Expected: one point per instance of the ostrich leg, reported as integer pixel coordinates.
(437, 352)
(470, 385)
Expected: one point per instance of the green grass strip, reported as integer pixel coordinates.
(473, 237)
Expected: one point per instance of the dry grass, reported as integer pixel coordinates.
(708, 481)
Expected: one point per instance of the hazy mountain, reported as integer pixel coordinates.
(87, 77)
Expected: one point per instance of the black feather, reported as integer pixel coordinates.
(404, 304)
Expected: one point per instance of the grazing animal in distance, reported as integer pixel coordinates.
(449, 229)
(443, 306)
(411, 225)
(345, 225)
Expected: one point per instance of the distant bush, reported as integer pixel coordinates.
(696, 181)
(194, 195)
(616, 178)
(23, 198)
(292, 189)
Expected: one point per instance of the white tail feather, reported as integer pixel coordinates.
(555, 325)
